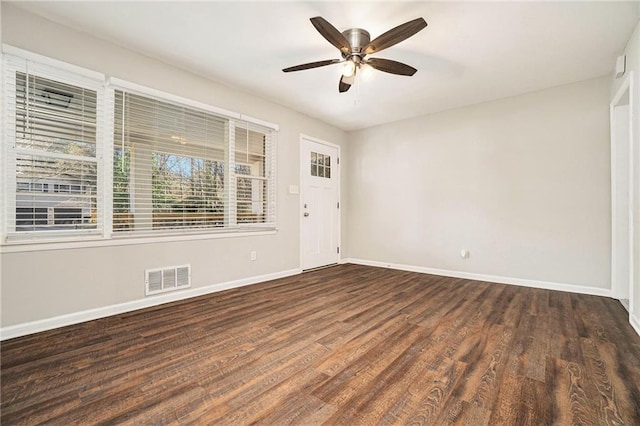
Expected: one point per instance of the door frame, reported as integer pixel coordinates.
(338, 175)
(626, 86)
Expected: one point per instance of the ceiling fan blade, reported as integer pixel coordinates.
(312, 65)
(332, 35)
(392, 67)
(345, 83)
(395, 36)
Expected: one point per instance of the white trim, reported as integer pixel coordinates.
(144, 90)
(76, 243)
(230, 179)
(626, 85)
(304, 137)
(24, 329)
(43, 67)
(77, 317)
(259, 122)
(127, 85)
(320, 141)
(45, 60)
(118, 83)
(547, 285)
(635, 323)
(105, 164)
(4, 153)
(634, 140)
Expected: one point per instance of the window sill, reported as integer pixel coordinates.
(118, 240)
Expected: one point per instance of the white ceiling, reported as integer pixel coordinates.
(469, 53)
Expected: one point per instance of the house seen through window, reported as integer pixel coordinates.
(55, 155)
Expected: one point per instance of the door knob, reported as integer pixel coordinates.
(306, 214)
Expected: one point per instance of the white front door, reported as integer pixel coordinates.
(320, 183)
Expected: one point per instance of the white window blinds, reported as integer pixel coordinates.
(254, 174)
(53, 132)
(83, 156)
(179, 168)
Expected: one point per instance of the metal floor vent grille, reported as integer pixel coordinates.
(167, 279)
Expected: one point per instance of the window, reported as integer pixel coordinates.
(163, 164)
(172, 168)
(52, 131)
(251, 175)
(169, 166)
(320, 165)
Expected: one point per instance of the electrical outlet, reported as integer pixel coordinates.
(254, 255)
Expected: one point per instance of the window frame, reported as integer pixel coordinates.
(103, 234)
(14, 62)
(233, 121)
(270, 174)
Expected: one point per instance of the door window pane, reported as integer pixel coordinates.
(314, 162)
(320, 165)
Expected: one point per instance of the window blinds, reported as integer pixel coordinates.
(83, 156)
(178, 168)
(254, 174)
(53, 129)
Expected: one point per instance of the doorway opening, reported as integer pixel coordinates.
(622, 194)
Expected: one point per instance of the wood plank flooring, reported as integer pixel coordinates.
(344, 345)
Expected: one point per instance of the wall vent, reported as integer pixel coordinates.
(167, 279)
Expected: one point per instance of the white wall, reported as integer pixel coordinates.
(522, 183)
(45, 284)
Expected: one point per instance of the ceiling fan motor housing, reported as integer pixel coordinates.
(358, 39)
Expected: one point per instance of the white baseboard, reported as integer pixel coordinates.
(547, 285)
(92, 314)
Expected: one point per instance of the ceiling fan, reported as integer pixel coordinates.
(354, 45)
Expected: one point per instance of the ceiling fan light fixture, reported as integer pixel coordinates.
(348, 68)
(366, 71)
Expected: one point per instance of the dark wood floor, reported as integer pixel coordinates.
(344, 345)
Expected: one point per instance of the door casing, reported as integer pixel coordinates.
(623, 251)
